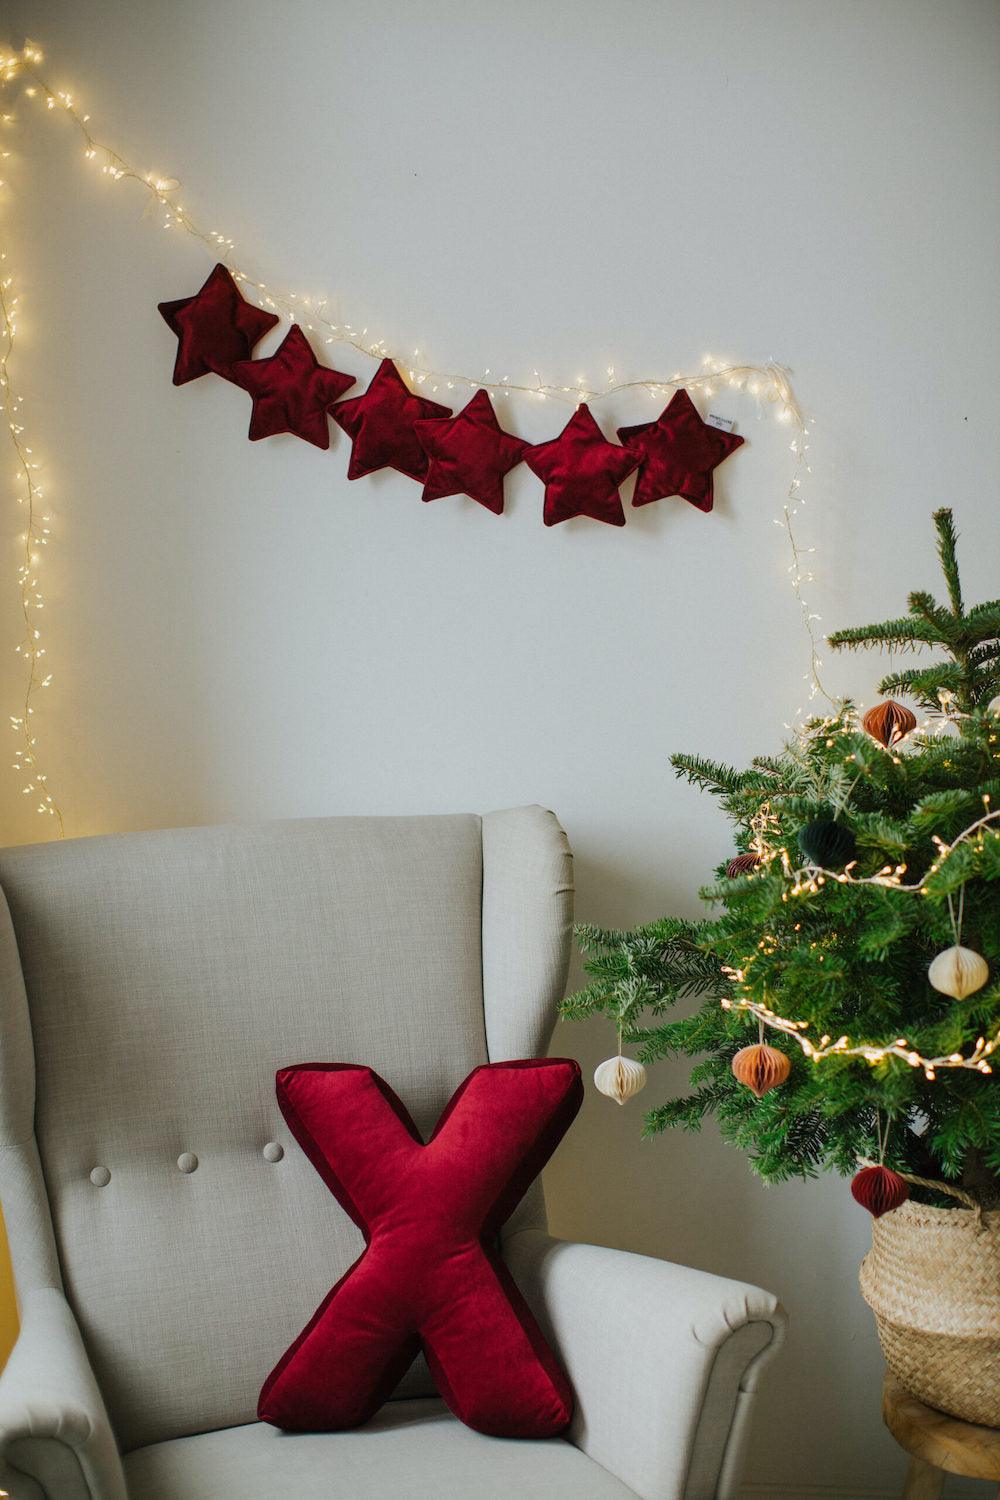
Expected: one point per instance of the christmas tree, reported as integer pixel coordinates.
(843, 994)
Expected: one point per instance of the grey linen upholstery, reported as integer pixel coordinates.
(168, 1237)
(410, 1450)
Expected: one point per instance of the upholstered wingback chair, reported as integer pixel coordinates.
(169, 1238)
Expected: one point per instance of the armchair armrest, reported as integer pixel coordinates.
(56, 1441)
(663, 1359)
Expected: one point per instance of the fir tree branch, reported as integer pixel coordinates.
(710, 775)
(947, 543)
(908, 633)
(924, 684)
(843, 956)
(947, 627)
(985, 617)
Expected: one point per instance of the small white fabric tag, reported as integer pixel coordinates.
(726, 423)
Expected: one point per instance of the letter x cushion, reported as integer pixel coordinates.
(430, 1273)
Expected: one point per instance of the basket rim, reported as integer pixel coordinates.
(942, 1218)
(911, 1330)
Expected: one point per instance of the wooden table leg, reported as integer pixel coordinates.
(923, 1482)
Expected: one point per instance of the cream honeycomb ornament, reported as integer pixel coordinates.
(958, 972)
(620, 1078)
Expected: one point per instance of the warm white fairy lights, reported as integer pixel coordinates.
(768, 383)
(808, 881)
(33, 538)
(871, 1051)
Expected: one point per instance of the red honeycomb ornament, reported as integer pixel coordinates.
(879, 1189)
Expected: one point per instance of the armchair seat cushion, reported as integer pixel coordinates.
(411, 1449)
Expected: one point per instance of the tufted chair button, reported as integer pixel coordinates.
(187, 1161)
(100, 1176)
(273, 1152)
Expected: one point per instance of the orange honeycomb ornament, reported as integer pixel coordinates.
(761, 1068)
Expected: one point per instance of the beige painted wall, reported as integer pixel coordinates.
(237, 632)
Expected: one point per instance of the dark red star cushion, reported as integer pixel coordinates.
(430, 1275)
(677, 454)
(380, 425)
(292, 391)
(469, 454)
(214, 328)
(582, 472)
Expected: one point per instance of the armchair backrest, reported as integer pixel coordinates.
(152, 983)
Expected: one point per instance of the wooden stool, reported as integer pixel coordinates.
(939, 1444)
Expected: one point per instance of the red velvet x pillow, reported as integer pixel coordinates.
(431, 1272)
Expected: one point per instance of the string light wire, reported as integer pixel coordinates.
(768, 383)
(808, 882)
(34, 536)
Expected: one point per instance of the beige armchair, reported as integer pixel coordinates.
(169, 1239)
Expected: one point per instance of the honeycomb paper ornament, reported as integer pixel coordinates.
(742, 864)
(761, 1068)
(827, 843)
(958, 972)
(620, 1077)
(879, 1189)
(889, 722)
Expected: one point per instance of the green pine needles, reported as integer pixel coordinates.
(844, 953)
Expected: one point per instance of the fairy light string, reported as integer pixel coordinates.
(33, 538)
(808, 881)
(767, 383)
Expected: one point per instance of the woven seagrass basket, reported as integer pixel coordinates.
(932, 1279)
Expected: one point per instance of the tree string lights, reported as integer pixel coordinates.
(768, 384)
(871, 1052)
(809, 878)
(807, 881)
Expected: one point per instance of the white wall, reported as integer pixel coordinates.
(237, 632)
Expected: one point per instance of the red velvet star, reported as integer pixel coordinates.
(380, 425)
(677, 453)
(292, 391)
(582, 472)
(469, 454)
(214, 328)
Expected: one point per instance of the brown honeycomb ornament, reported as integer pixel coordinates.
(889, 722)
(761, 1068)
(742, 864)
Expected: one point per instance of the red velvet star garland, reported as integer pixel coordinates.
(677, 454)
(582, 471)
(292, 391)
(469, 454)
(380, 425)
(214, 328)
